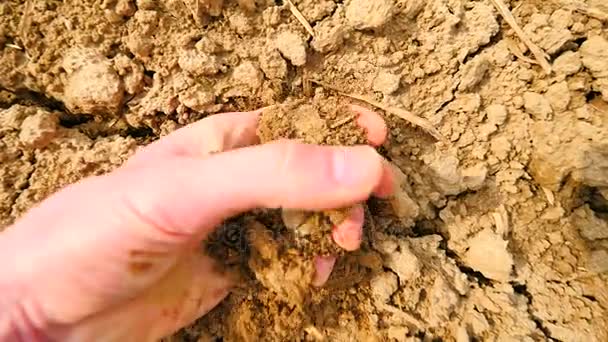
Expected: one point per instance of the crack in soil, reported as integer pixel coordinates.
(522, 289)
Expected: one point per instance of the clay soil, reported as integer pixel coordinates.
(499, 228)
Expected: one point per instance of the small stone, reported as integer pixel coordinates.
(578, 27)
(248, 74)
(369, 14)
(553, 214)
(558, 96)
(146, 4)
(329, 36)
(497, 114)
(197, 98)
(594, 52)
(474, 177)
(132, 73)
(240, 23)
(383, 286)
(485, 130)
(198, 64)
(125, 8)
(11, 118)
(386, 82)
(500, 147)
(38, 130)
(488, 254)
(568, 63)
(273, 65)
(404, 262)
(555, 40)
(473, 73)
(598, 261)
(93, 87)
(292, 47)
(561, 19)
(537, 105)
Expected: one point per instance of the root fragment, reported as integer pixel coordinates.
(402, 113)
(539, 54)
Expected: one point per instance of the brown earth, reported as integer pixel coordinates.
(498, 233)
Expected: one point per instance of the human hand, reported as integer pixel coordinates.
(118, 257)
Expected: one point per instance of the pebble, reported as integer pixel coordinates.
(594, 52)
(292, 47)
(497, 114)
(568, 63)
(558, 96)
(537, 105)
(386, 82)
(369, 14)
(38, 130)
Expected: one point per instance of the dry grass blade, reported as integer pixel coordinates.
(512, 46)
(296, 13)
(25, 22)
(13, 46)
(401, 113)
(539, 54)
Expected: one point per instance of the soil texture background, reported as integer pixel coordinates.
(499, 228)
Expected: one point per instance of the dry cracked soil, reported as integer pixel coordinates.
(498, 230)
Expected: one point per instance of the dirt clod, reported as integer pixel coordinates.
(497, 229)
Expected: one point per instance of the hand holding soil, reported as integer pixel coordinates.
(136, 262)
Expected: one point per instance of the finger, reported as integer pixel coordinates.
(386, 188)
(349, 233)
(323, 268)
(216, 133)
(373, 123)
(192, 195)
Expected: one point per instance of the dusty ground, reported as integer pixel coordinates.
(499, 232)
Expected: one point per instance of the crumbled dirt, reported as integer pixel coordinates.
(497, 233)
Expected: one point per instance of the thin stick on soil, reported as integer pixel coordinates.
(512, 46)
(13, 46)
(539, 54)
(296, 13)
(402, 113)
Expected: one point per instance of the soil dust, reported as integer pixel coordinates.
(498, 232)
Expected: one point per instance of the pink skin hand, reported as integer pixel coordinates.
(117, 257)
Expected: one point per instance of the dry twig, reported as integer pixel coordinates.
(402, 113)
(539, 54)
(296, 13)
(512, 46)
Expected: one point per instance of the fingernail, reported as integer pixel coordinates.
(352, 166)
(386, 188)
(323, 268)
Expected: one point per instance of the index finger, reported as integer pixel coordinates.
(216, 133)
